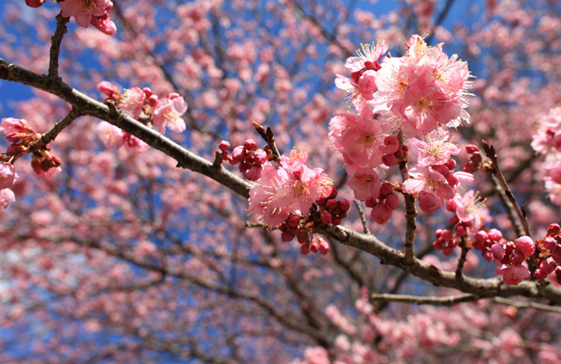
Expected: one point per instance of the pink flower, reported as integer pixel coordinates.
(281, 192)
(365, 184)
(297, 159)
(168, 113)
(16, 129)
(367, 58)
(367, 84)
(424, 179)
(134, 145)
(110, 135)
(512, 275)
(436, 150)
(7, 196)
(132, 101)
(361, 143)
(84, 10)
(7, 175)
(469, 209)
(381, 213)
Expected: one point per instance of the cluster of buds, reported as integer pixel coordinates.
(475, 162)
(550, 246)
(446, 241)
(393, 154)
(484, 241)
(249, 157)
(44, 162)
(299, 226)
(384, 205)
(331, 210)
(22, 137)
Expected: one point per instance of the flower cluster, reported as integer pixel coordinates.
(86, 12)
(547, 141)
(144, 106)
(250, 158)
(420, 94)
(298, 226)
(290, 189)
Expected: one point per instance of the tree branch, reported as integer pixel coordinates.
(435, 301)
(410, 210)
(56, 40)
(362, 217)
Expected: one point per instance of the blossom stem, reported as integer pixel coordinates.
(462, 260)
(56, 40)
(410, 210)
(362, 217)
(491, 154)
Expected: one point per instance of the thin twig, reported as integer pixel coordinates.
(491, 154)
(411, 213)
(269, 138)
(440, 19)
(56, 40)
(510, 211)
(362, 217)
(537, 306)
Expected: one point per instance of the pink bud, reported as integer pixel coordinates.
(333, 192)
(287, 236)
(323, 247)
(437, 245)
(34, 3)
(438, 232)
(250, 144)
(392, 201)
(391, 145)
(454, 220)
(498, 252)
(224, 146)
(471, 149)
(107, 88)
(259, 157)
(381, 214)
(370, 203)
(453, 243)
(447, 250)
(305, 249)
(446, 235)
(237, 155)
(553, 229)
(478, 245)
(556, 255)
(451, 205)
(331, 204)
(429, 202)
(293, 220)
(153, 101)
(303, 237)
(547, 267)
(147, 91)
(452, 180)
(326, 217)
(487, 255)
(526, 245)
(550, 244)
(389, 160)
(344, 205)
(460, 231)
(386, 189)
(443, 170)
(451, 164)
(481, 236)
(254, 173)
(495, 234)
(540, 274)
(517, 259)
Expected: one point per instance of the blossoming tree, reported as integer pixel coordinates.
(423, 185)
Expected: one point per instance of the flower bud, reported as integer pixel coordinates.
(250, 144)
(446, 235)
(517, 259)
(447, 250)
(344, 205)
(487, 255)
(392, 201)
(526, 245)
(481, 236)
(451, 164)
(550, 244)
(495, 234)
(287, 236)
(386, 189)
(389, 160)
(326, 217)
(331, 204)
(546, 267)
(451, 205)
(553, 229)
(498, 252)
(224, 146)
(540, 274)
(471, 149)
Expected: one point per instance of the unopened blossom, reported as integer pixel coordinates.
(168, 113)
(134, 145)
(7, 196)
(526, 245)
(365, 184)
(429, 202)
(34, 3)
(110, 135)
(435, 149)
(7, 175)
